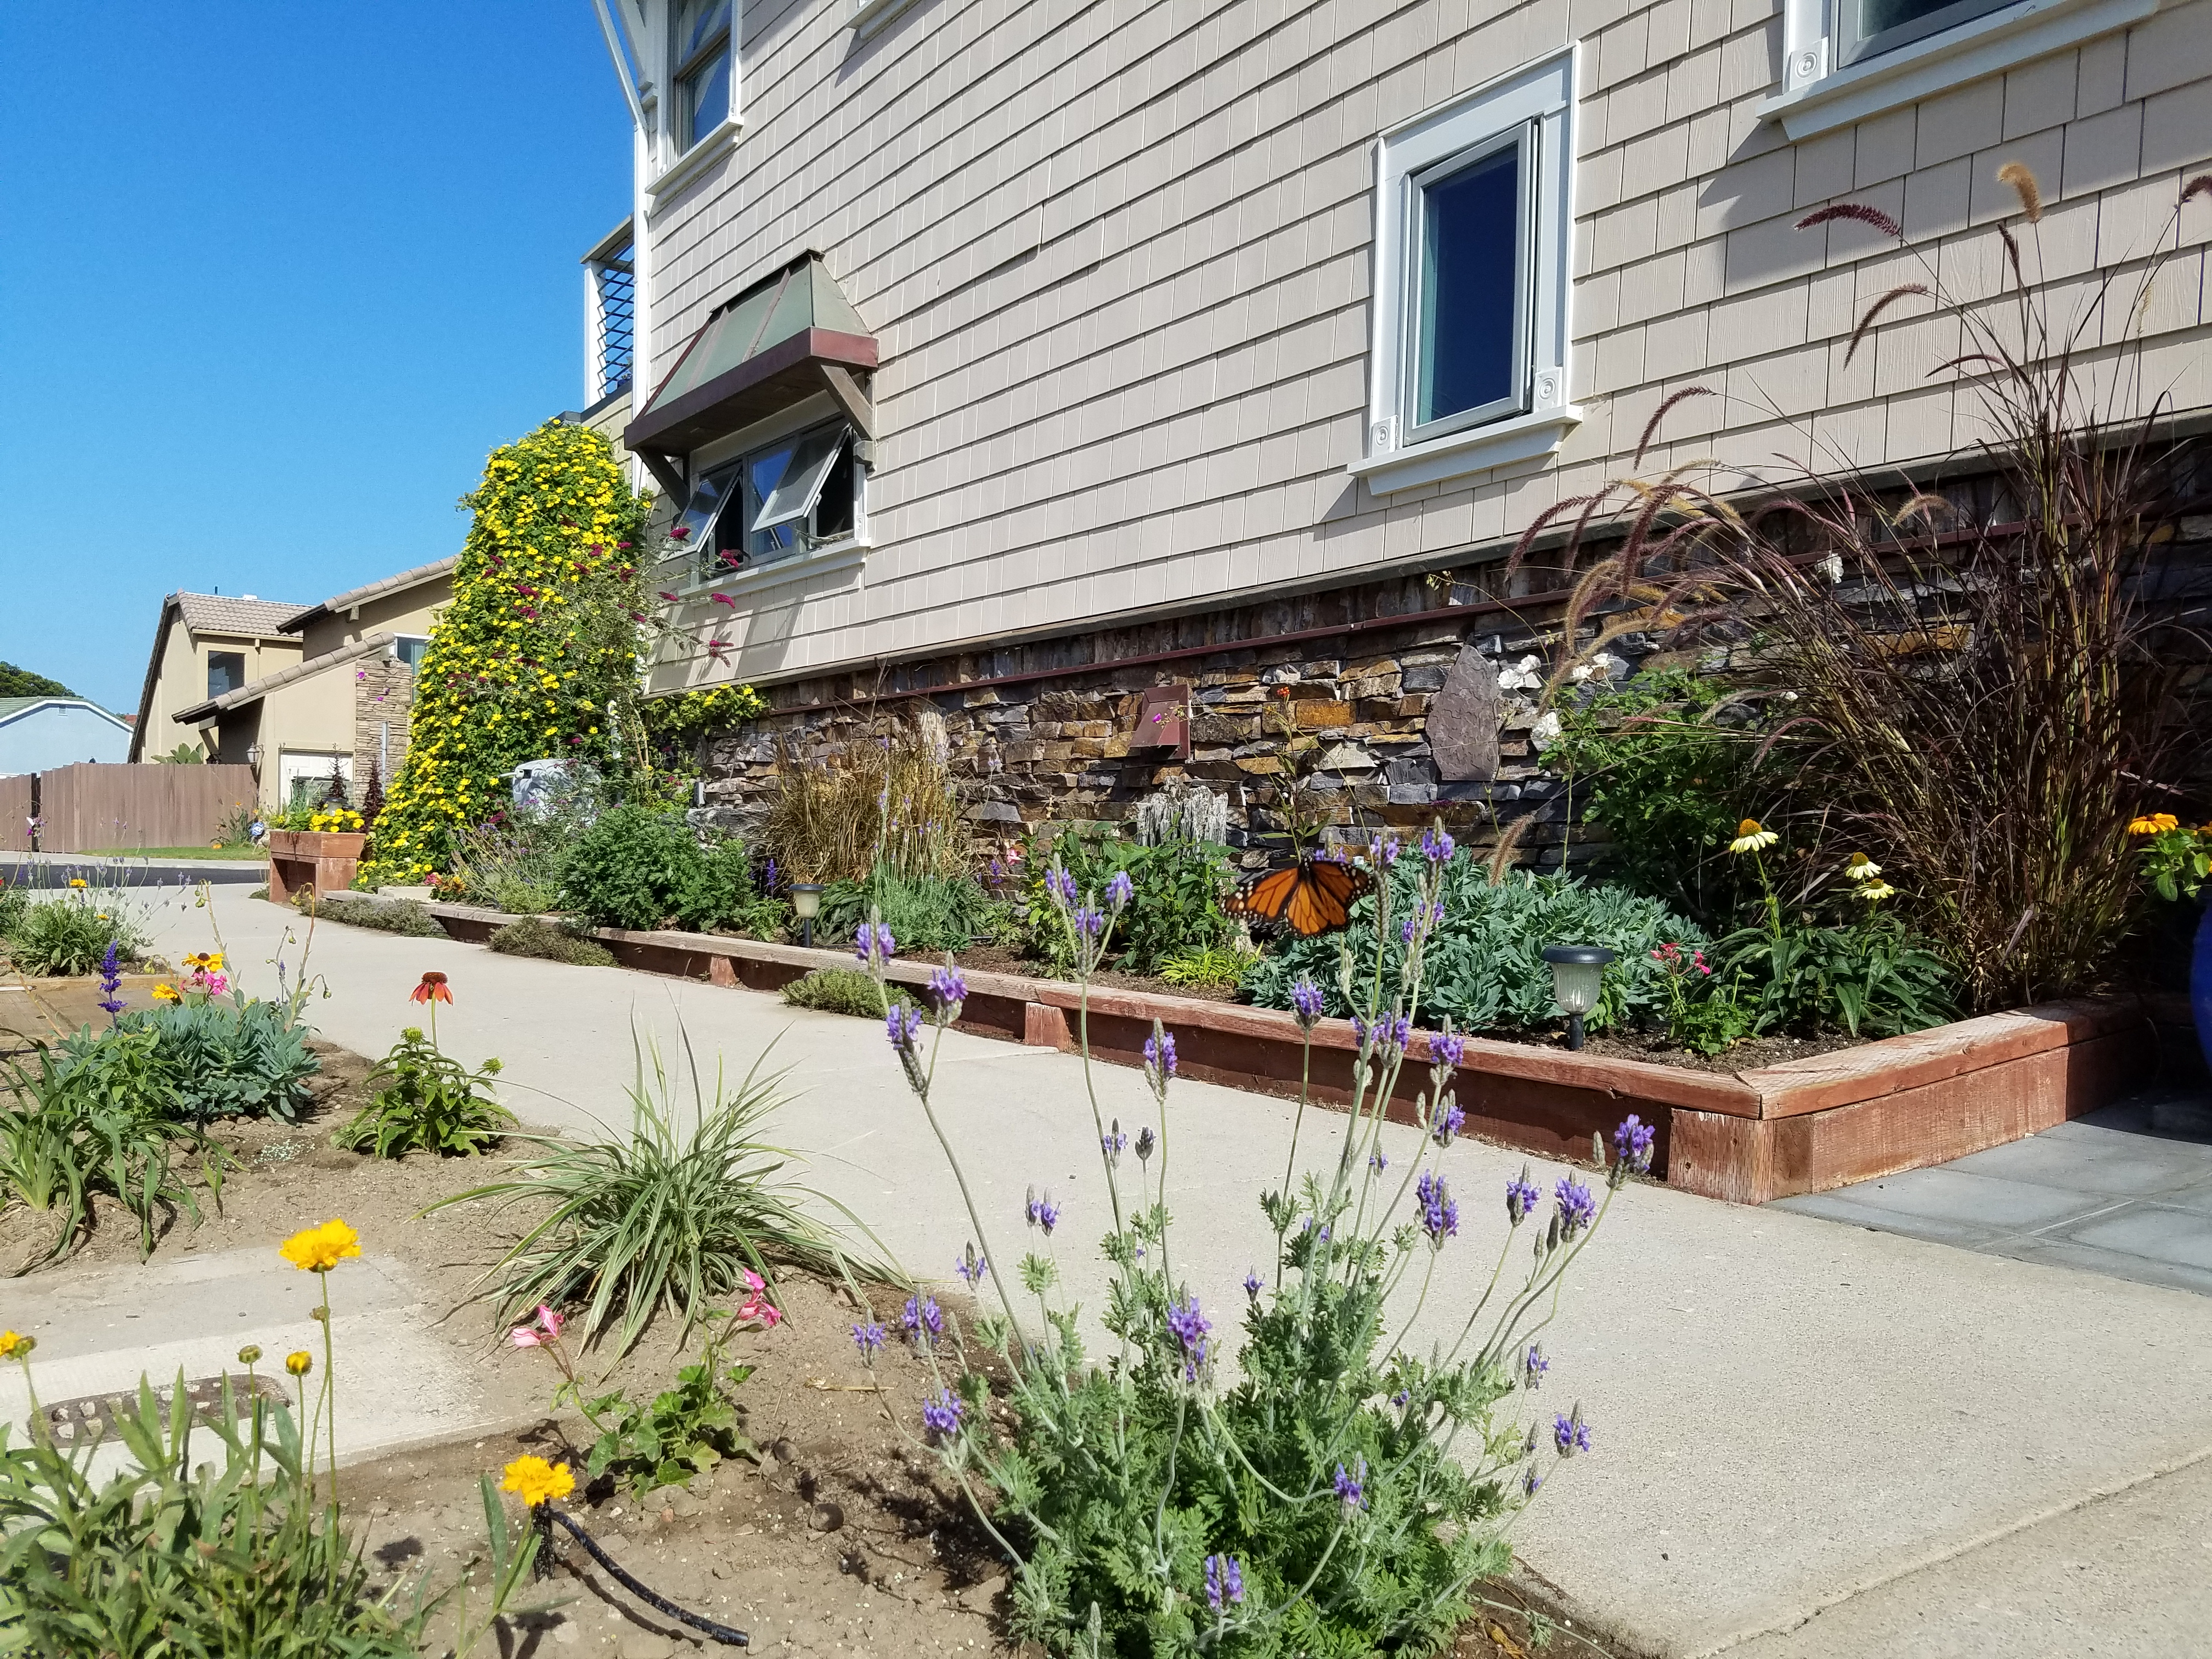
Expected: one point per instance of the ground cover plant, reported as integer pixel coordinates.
(401, 916)
(1337, 1493)
(843, 991)
(534, 936)
(640, 866)
(665, 1217)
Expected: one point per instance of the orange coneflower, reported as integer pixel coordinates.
(432, 990)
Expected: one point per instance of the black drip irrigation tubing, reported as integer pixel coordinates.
(722, 1633)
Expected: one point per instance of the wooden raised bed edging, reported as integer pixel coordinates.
(325, 859)
(1801, 1127)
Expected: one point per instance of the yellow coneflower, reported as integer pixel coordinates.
(1751, 837)
(1862, 868)
(2152, 823)
(1873, 890)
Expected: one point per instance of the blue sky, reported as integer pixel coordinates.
(274, 279)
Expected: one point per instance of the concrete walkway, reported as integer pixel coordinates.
(2126, 1191)
(1809, 1439)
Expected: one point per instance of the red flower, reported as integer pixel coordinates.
(724, 598)
(671, 598)
(432, 990)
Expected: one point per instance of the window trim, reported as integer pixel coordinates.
(1818, 96)
(239, 657)
(398, 639)
(683, 69)
(684, 164)
(1537, 100)
(731, 460)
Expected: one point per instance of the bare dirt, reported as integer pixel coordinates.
(843, 1538)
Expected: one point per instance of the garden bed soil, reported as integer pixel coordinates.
(843, 1538)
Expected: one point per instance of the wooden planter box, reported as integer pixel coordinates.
(321, 859)
(1801, 1127)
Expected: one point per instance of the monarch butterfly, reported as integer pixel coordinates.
(1312, 896)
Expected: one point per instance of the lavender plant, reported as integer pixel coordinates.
(1328, 1490)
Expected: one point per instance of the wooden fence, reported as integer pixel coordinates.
(91, 807)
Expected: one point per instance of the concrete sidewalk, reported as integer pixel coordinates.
(1809, 1439)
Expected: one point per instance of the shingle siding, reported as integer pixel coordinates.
(1117, 255)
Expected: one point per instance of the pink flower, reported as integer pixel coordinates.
(724, 598)
(756, 1306)
(548, 1330)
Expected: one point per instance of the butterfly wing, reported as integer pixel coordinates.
(1266, 896)
(1336, 886)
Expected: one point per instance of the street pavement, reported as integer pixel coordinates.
(1809, 1439)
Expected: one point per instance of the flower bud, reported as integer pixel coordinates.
(249, 1354)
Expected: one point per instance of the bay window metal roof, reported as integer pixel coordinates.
(785, 339)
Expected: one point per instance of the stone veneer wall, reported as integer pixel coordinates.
(383, 712)
(1337, 668)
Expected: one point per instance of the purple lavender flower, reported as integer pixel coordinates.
(1532, 1366)
(1521, 1197)
(1144, 1144)
(971, 1267)
(768, 878)
(1352, 1488)
(111, 975)
(1437, 846)
(1402, 1399)
(1577, 1209)
(942, 1413)
(902, 1024)
(1437, 913)
(868, 1337)
(923, 1320)
(1159, 1059)
(1383, 852)
(1447, 1122)
(872, 943)
(1439, 1210)
(1307, 1001)
(1378, 1161)
(1252, 1284)
(1530, 1481)
(1225, 1581)
(1121, 890)
(1113, 1143)
(948, 987)
(1406, 931)
(1059, 886)
(1570, 1433)
(1631, 1142)
(1447, 1049)
(1190, 1328)
(1089, 921)
(1043, 1213)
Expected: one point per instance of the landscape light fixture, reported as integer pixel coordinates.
(807, 904)
(1577, 975)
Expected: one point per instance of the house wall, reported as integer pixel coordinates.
(182, 680)
(313, 716)
(1118, 260)
(60, 734)
(403, 610)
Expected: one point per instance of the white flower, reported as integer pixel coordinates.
(1546, 731)
(1832, 567)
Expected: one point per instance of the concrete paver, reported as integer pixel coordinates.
(1790, 1416)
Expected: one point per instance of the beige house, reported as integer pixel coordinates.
(206, 646)
(341, 707)
(993, 350)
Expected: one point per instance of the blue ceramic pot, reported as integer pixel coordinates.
(2200, 982)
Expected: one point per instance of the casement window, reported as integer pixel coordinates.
(789, 496)
(410, 648)
(226, 671)
(1845, 60)
(1472, 218)
(700, 46)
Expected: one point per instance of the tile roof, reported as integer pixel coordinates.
(11, 707)
(347, 600)
(217, 613)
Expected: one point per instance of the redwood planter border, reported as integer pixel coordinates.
(1801, 1127)
(325, 859)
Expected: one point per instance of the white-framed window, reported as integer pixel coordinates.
(409, 648)
(1845, 60)
(789, 495)
(702, 62)
(1473, 211)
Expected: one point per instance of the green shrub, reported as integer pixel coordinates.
(14, 905)
(924, 913)
(665, 1217)
(426, 1102)
(843, 991)
(99, 1117)
(179, 1552)
(642, 868)
(1872, 978)
(66, 936)
(1485, 967)
(403, 916)
(1175, 904)
(534, 936)
(685, 1432)
(219, 1058)
(1666, 762)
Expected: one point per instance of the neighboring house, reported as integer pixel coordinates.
(1032, 356)
(343, 706)
(205, 645)
(37, 733)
